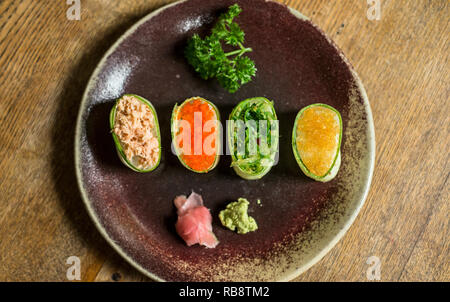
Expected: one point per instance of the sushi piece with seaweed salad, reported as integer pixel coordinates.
(253, 137)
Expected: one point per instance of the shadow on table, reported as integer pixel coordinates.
(62, 149)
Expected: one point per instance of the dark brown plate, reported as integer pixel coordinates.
(299, 219)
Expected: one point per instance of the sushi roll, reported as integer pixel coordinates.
(253, 138)
(195, 134)
(316, 141)
(135, 131)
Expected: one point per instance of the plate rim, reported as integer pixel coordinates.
(322, 252)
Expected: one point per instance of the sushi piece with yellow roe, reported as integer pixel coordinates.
(316, 141)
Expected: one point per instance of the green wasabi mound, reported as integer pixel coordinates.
(235, 217)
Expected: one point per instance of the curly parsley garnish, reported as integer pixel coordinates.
(231, 69)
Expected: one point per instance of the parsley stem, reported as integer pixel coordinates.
(239, 52)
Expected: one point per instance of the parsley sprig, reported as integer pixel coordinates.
(231, 69)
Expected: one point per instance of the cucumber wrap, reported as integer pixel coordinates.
(129, 162)
(175, 128)
(253, 134)
(334, 135)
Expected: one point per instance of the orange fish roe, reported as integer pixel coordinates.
(317, 135)
(204, 160)
(136, 129)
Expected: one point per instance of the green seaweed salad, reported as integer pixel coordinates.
(253, 137)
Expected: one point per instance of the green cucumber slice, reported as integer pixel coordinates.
(334, 168)
(120, 152)
(255, 166)
(174, 130)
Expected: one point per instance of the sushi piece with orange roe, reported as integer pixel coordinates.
(196, 135)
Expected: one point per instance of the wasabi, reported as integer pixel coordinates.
(235, 217)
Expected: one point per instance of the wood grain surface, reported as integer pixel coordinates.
(403, 60)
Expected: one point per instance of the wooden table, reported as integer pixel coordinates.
(403, 60)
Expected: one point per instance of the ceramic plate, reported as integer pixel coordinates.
(299, 219)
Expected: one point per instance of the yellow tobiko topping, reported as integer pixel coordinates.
(317, 138)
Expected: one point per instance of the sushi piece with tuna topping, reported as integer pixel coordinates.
(135, 130)
(194, 221)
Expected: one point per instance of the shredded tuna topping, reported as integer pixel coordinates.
(136, 129)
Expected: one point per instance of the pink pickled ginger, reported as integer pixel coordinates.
(194, 221)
